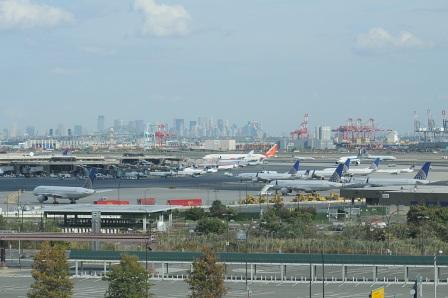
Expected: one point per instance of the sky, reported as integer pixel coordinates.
(67, 61)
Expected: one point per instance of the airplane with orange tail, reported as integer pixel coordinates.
(250, 158)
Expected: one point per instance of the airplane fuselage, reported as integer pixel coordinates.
(63, 192)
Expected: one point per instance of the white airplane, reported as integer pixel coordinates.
(193, 172)
(227, 164)
(356, 159)
(287, 186)
(363, 171)
(420, 178)
(328, 172)
(411, 169)
(67, 192)
(381, 157)
(251, 157)
(267, 176)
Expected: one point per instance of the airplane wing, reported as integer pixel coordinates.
(53, 195)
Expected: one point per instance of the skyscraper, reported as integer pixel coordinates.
(179, 127)
(77, 130)
(100, 124)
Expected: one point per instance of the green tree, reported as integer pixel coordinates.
(218, 209)
(210, 225)
(207, 278)
(128, 279)
(51, 273)
(194, 213)
(3, 223)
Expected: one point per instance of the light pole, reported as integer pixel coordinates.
(323, 275)
(147, 247)
(247, 253)
(436, 273)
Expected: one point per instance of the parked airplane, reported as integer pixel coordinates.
(411, 169)
(287, 186)
(66, 192)
(191, 172)
(420, 178)
(267, 176)
(363, 171)
(251, 157)
(381, 157)
(328, 172)
(362, 154)
(354, 159)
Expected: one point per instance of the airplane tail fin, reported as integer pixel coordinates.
(251, 152)
(336, 177)
(423, 172)
(346, 165)
(375, 164)
(90, 179)
(272, 151)
(295, 168)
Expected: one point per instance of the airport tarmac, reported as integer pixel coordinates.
(132, 194)
(209, 187)
(15, 283)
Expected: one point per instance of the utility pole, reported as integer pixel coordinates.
(311, 278)
(147, 247)
(323, 275)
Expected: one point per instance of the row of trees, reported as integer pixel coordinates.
(128, 279)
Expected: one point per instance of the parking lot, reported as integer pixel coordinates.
(15, 283)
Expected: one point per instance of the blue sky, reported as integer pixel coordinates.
(68, 61)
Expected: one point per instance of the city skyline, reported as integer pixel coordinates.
(67, 62)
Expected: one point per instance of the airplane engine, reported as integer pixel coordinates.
(42, 199)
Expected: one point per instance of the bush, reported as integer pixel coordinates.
(194, 213)
(210, 225)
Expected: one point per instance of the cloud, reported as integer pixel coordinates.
(25, 14)
(378, 39)
(163, 20)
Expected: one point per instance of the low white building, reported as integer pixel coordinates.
(220, 145)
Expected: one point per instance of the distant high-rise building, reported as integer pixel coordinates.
(30, 131)
(140, 127)
(50, 132)
(69, 132)
(179, 127)
(60, 130)
(118, 125)
(324, 133)
(100, 124)
(77, 131)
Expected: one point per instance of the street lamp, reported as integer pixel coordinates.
(247, 253)
(147, 247)
(436, 273)
(323, 274)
